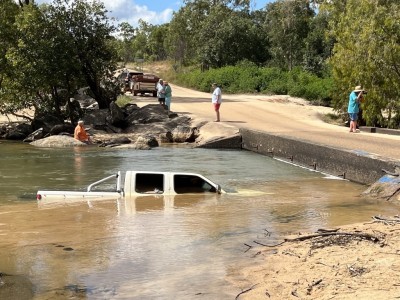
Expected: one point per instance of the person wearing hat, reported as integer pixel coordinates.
(168, 95)
(216, 100)
(161, 92)
(80, 133)
(355, 98)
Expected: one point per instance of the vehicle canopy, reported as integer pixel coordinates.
(145, 78)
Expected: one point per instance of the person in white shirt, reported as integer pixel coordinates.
(216, 100)
(161, 92)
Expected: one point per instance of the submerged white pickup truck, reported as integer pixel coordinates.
(137, 183)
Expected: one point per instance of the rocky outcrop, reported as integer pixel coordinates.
(128, 126)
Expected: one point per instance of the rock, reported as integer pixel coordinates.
(121, 140)
(144, 127)
(165, 137)
(387, 188)
(62, 128)
(130, 108)
(116, 142)
(36, 135)
(19, 132)
(212, 130)
(57, 141)
(96, 118)
(45, 121)
(184, 134)
(152, 113)
(176, 121)
(116, 116)
(15, 136)
(145, 142)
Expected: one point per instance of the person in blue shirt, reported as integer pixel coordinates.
(168, 94)
(353, 108)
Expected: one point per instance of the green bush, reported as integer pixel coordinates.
(246, 77)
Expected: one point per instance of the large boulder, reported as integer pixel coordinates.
(66, 128)
(184, 134)
(57, 141)
(130, 108)
(116, 142)
(116, 116)
(45, 121)
(151, 113)
(19, 132)
(96, 118)
(145, 142)
(386, 188)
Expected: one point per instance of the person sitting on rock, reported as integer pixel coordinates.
(80, 133)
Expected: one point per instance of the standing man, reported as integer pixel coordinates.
(216, 99)
(354, 106)
(161, 92)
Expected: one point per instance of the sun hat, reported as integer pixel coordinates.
(358, 88)
(80, 122)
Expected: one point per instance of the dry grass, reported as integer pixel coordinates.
(332, 118)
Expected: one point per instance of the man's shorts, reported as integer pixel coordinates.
(353, 116)
(216, 106)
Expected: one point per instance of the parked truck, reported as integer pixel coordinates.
(145, 84)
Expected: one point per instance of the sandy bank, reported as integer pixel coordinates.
(332, 267)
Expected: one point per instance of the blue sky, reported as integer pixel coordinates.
(152, 11)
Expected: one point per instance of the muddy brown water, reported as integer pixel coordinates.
(179, 247)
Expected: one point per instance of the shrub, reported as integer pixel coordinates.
(246, 77)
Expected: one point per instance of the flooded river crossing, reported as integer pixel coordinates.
(181, 247)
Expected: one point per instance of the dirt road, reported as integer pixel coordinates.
(280, 115)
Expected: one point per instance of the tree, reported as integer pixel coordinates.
(90, 32)
(8, 12)
(57, 49)
(181, 42)
(155, 41)
(216, 33)
(227, 37)
(126, 38)
(367, 52)
(287, 24)
(318, 46)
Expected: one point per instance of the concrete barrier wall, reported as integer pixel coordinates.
(355, 166)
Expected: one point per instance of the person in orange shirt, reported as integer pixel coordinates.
(80, 133)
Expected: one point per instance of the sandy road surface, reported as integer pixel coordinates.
(280, 115)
